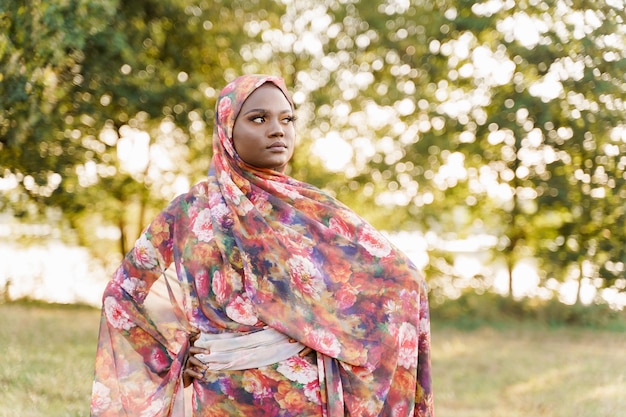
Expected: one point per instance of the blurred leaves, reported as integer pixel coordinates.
(452, 117)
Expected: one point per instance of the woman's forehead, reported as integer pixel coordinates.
(267, 95)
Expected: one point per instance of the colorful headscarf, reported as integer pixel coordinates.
(255, 247)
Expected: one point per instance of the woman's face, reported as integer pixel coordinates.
(264, 133)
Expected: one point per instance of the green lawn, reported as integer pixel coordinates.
(520, 370)
(527, 370)
(47, 360)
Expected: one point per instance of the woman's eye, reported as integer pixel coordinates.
(258, 119)
(288, 119)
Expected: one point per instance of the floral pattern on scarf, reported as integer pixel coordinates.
(252, 248)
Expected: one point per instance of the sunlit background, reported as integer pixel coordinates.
(487, 139)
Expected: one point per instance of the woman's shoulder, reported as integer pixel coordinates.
(200, 189)
(197, 193)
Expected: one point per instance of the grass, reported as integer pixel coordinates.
(529, 370)
(47, 360)
(509, 370)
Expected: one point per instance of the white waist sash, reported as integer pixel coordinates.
(230, 351)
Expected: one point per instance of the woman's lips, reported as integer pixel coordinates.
(277, 146)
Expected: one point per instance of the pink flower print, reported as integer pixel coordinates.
(135, 287)
(345, 297)
(100, 398)
(424, 325)
(407, 342)
(192, 212)
(235, 194)
(155, 408)
(325, 342)
(202, 283)
(224, 109)
(280, 326)
(215, 199)
(409, 298)
(144, 253)
(116, 316)
(219, 287)
(312, 391)
(364, 408)
(228, 147)
(230, 191)
(391, 307)
(242, 311)
(257, 385)
(282, 190)
(158, 360)
(401, 409)
(374, 243)
(307, 278)
(120, 275)
(223, 215)
(233, 279)
(298, 369)
(229, 87)
(244, 206)
(202, 226)
(262, 204)
(340, 227)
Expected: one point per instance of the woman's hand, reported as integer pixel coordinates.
(194, 367)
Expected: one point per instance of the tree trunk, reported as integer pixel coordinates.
(7, 290)
(509, 270)
(580, 283)
(122, 226)
(510, 262)
(143, 203)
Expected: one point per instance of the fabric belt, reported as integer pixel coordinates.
(232, 351)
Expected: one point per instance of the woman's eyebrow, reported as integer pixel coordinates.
(266, 111)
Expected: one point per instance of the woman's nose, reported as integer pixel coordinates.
(276, 128)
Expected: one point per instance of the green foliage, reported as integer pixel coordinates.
(472, 310)
(462, 117)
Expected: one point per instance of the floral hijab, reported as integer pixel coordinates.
(253, 248)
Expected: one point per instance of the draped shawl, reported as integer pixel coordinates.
(251, 248)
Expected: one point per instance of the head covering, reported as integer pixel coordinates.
(254, 248)
(229, 105)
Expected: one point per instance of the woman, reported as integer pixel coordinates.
(270, 269)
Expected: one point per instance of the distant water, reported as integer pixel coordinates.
(53, 272)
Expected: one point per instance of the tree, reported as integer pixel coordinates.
(457, 113)
(84, 80)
